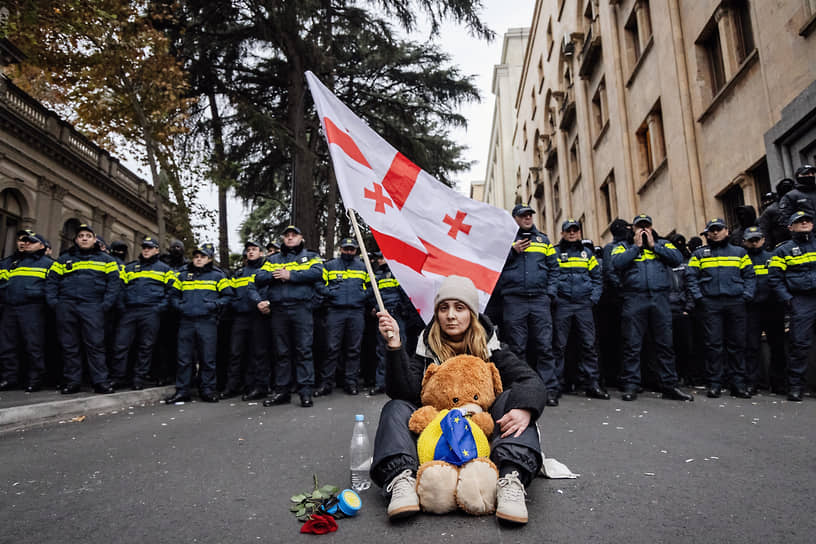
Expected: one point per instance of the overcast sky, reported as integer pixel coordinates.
(474, 57)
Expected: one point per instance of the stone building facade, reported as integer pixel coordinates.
(684, 109)
(52, 179)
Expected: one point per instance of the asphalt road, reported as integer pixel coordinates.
(653, 471)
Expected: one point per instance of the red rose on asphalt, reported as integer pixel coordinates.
(319, 525)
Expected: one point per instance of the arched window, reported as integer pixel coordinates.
(11, 215)
(69, 230)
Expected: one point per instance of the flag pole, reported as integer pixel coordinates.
(353, 216)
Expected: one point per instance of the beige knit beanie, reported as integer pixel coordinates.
(458, 288)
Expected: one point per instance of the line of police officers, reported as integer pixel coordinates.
(641, 287)
(168, 299)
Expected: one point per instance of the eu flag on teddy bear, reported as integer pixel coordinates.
(456, 445)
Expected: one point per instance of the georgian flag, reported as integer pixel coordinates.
(425, 230)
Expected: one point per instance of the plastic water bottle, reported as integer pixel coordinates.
(360, 455)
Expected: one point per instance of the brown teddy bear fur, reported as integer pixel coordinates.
(459, 381)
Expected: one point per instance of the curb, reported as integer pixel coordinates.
(16, 417)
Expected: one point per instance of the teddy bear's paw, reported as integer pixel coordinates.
(436, 487)
(476, 490)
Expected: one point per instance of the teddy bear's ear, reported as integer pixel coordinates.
(430, 371)
(497, 383)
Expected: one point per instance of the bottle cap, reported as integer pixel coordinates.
(350, 502)
(359, 417)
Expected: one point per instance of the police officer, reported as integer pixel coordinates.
(644, 268)
(22, 324)
(346, 282)
(579, 289)
(285, 287)
(764, 314)
(609, 307)
(83, 285)
(147, 289)
(166, 359)
(248, 371)
(792, 275)
(397, 304)
(802, 197)
(528, 283)
(201, 291)
(272, 248)
(721, 280)
(769, 222)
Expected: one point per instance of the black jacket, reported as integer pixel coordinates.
(403, 376)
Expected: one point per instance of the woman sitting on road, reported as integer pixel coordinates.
(457, 328)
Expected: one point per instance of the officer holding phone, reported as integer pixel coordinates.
(644, 268)
(528, 283)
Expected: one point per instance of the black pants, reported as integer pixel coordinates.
(395, 446)
(139, 326)
(644, 313)
(248, 368)
(23, 326)
(567, 315)
(197, 341)
(802, 322)
(294, 331)
(767, 317)
(529, 318)
(344, 336)
(82, 322)
(724, 340)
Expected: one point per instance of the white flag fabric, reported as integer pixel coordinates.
(425, 230)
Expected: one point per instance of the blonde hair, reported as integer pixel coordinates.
(474, 341)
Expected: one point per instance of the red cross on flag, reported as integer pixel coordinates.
(425, 230)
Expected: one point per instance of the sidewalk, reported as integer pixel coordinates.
(21, 409)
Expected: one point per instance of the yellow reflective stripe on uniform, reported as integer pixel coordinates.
(345, 274)
(107, 268)
(809, 257)
(722, 262)
(778, 262)
(242, 281)
(387, 282)
(57, 268)
(760, 270)
(292, 265)
(203, 285)
(147, 274)
(618, 249)
(539, 247)
(33, 272)
(3, 274)
(576, 262)
(223, 283)
(647, 255)
(669, 245)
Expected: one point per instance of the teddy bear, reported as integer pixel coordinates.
(453, 427)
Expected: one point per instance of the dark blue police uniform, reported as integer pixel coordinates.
(345, 280)
(147, 290)
(292, 319)
(22, 292)
(82, 286)
(528, 282)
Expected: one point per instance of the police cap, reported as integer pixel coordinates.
(293, 229)
(85, 226)
(349, 242)
(569, 223)
(149, 241)
(715, 223)
(642, 218)
(249, 243)
(800, 216)
(521, 209)
(205, 249)
(752, 233)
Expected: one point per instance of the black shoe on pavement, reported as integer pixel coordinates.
(323, 391)
(351, 390)
(277, 398)
(552, 401)
(178, 396)
(595, 392)
(306, 401)
(70, 389)
(255, 394)
(208, 397)
(629, 395)
(376, 391)
(228, 394)
(740, 393)
(33, 388)
(675, 393)
(5, 385)
(795, 395)
(103, 388)
(714, 392)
